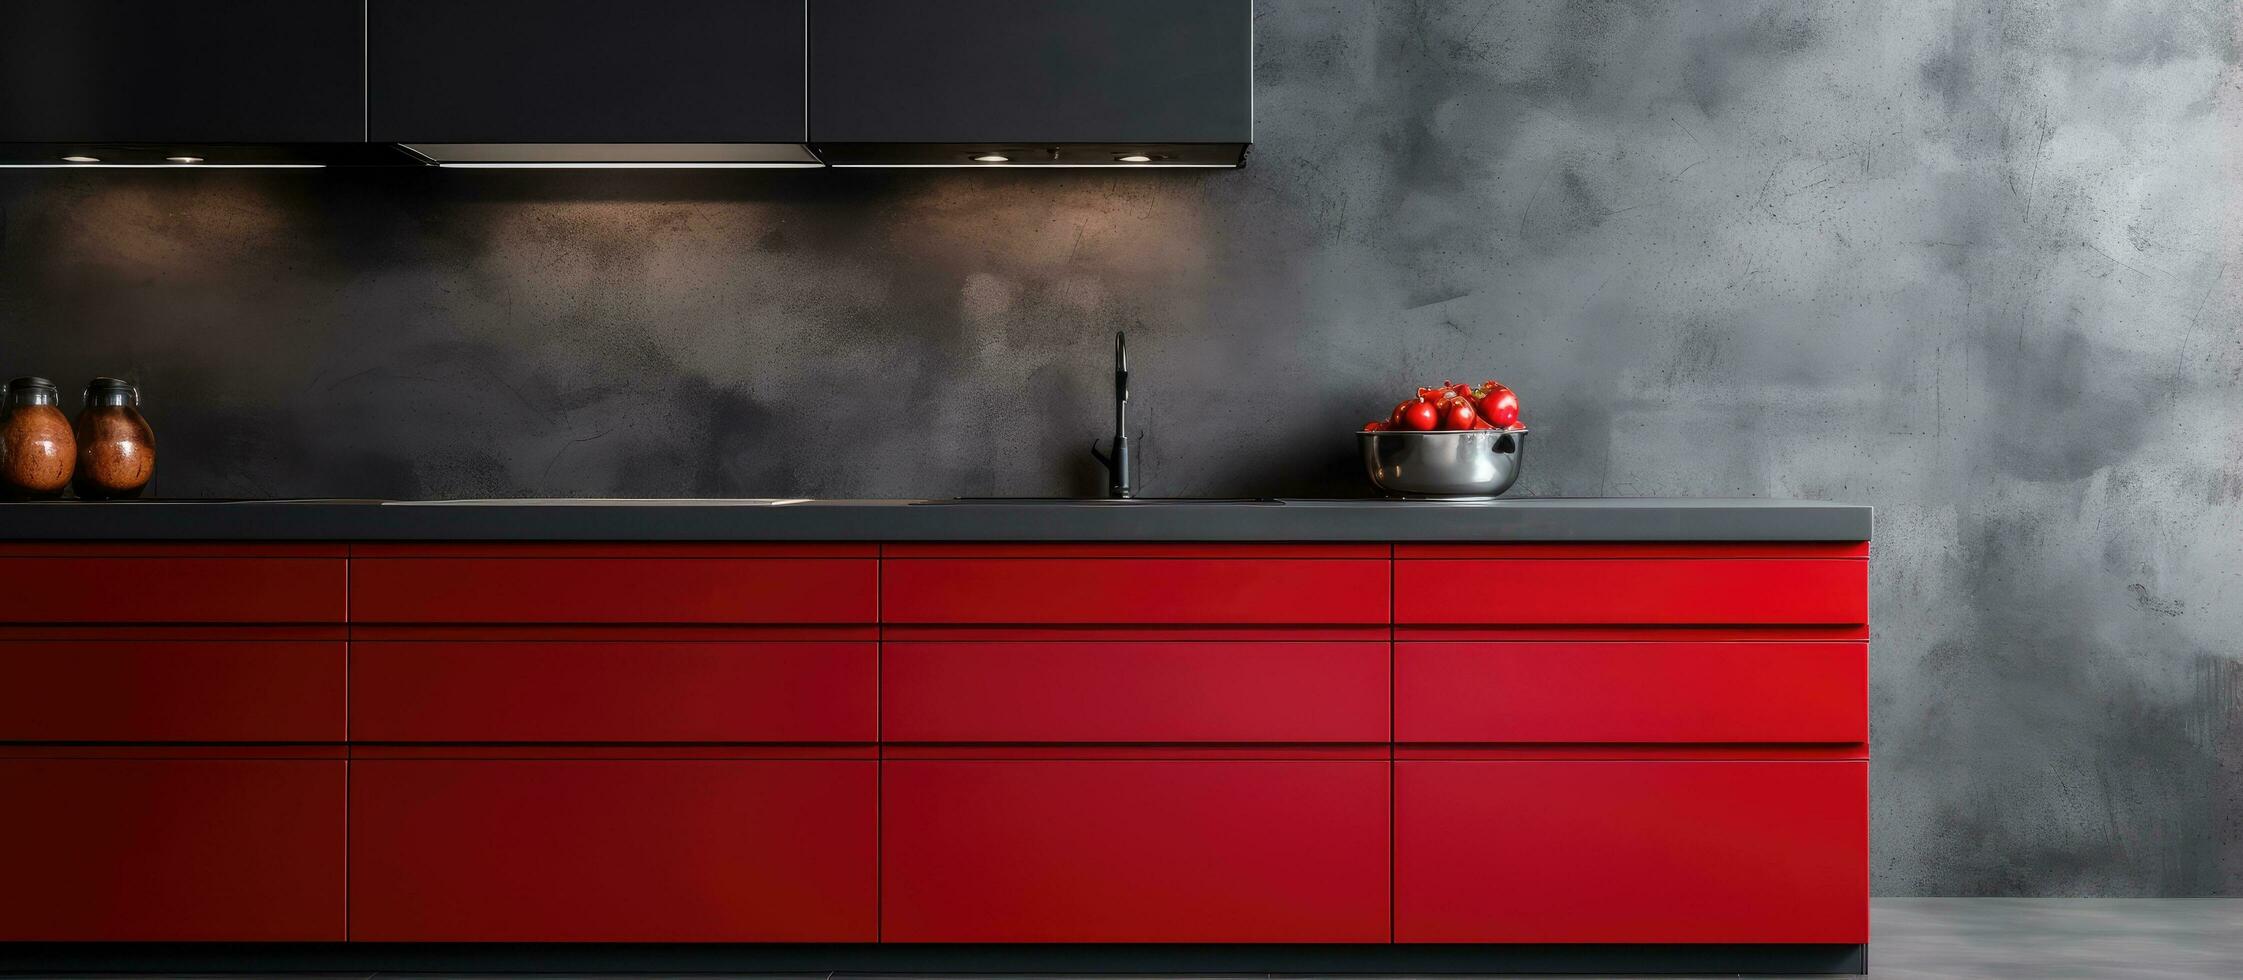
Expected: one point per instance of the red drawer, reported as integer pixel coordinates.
(1631, 852)
(711, 591)
(1631, 591)
(1134, 692)
(1631, 692)
(809, 691)
(171, 590)
(613, 850)
(171, 691)
(108, 850)
(1166, 591)
(1134, 851)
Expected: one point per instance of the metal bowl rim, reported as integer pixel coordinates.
(1434, 432)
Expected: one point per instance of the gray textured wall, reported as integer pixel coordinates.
(1976, 263)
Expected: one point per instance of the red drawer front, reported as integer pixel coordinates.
(1631, 692)
(1134, 692)
(170, 691)
(104, 850)
(1631, 852)
(613, 851)
(1134, 851)
(810, 691)
(1180, 591)
(1631, 591)
(613, 590)
(171, 590)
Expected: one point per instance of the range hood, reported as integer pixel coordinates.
(596, 155)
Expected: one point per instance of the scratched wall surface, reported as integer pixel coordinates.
(1977, 263)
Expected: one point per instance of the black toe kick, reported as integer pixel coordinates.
(1699, 958)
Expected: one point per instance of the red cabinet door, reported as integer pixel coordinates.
(1631, 591)
(171, 590)
(701, 591)
(1134, 851)
(793, 691)
(118, 850)
(1651, 691)
(1164, 591)
(171, 691)
(1631, 852)
(637, 850)
(1334, 691)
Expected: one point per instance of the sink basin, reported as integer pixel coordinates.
(604, 502)
(1104, 501)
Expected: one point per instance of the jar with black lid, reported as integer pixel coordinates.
(116, 449)
(37, 451)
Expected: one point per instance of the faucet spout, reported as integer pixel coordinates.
(1119, 482)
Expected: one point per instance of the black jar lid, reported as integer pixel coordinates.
(108, 384)
(27, 383)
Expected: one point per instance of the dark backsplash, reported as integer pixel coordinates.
(1976, 263)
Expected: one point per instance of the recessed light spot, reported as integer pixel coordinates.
(1135, 158)
(184, 159)
(992, 158)
(76, 159)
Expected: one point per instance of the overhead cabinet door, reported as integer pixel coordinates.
(180, 71)
(896, 81)
(703, 73)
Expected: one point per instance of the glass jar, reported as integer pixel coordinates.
(116, 450)
(37, 451)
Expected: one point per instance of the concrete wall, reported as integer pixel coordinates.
(1976, 263)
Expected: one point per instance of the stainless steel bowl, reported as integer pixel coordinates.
(1465, 465)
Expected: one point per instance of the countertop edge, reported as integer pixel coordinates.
(1555, 520)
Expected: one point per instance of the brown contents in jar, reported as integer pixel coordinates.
(36, 451)
(116, 453)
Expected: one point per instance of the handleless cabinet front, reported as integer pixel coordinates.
(181, 71)
(171, 849)
(585, 71)
(613, 850)
(970, 71)
(1134, 850)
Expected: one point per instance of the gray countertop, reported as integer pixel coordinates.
(1519, 519)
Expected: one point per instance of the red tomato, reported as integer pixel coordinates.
(1500, 406)
(1394, 420)
(1457, 413)
(1376, 425)
(1421, 415)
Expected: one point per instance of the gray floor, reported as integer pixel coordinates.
(2037, 938)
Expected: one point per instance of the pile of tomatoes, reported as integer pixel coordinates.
(1451, 406)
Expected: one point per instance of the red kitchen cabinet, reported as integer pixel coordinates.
(1644, 691)
(170, 589)
(171, 691)
(789, 691)
(180, 849)
(1671, 851)
(1145, 850)
(1172, 591)
(613, 850)
(617, 590)
(1613, 589)
(995, 691)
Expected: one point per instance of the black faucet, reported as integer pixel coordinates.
(1118, 484)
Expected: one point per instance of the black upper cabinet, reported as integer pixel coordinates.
(180, 71)
(1113, 73)
(585, 71)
